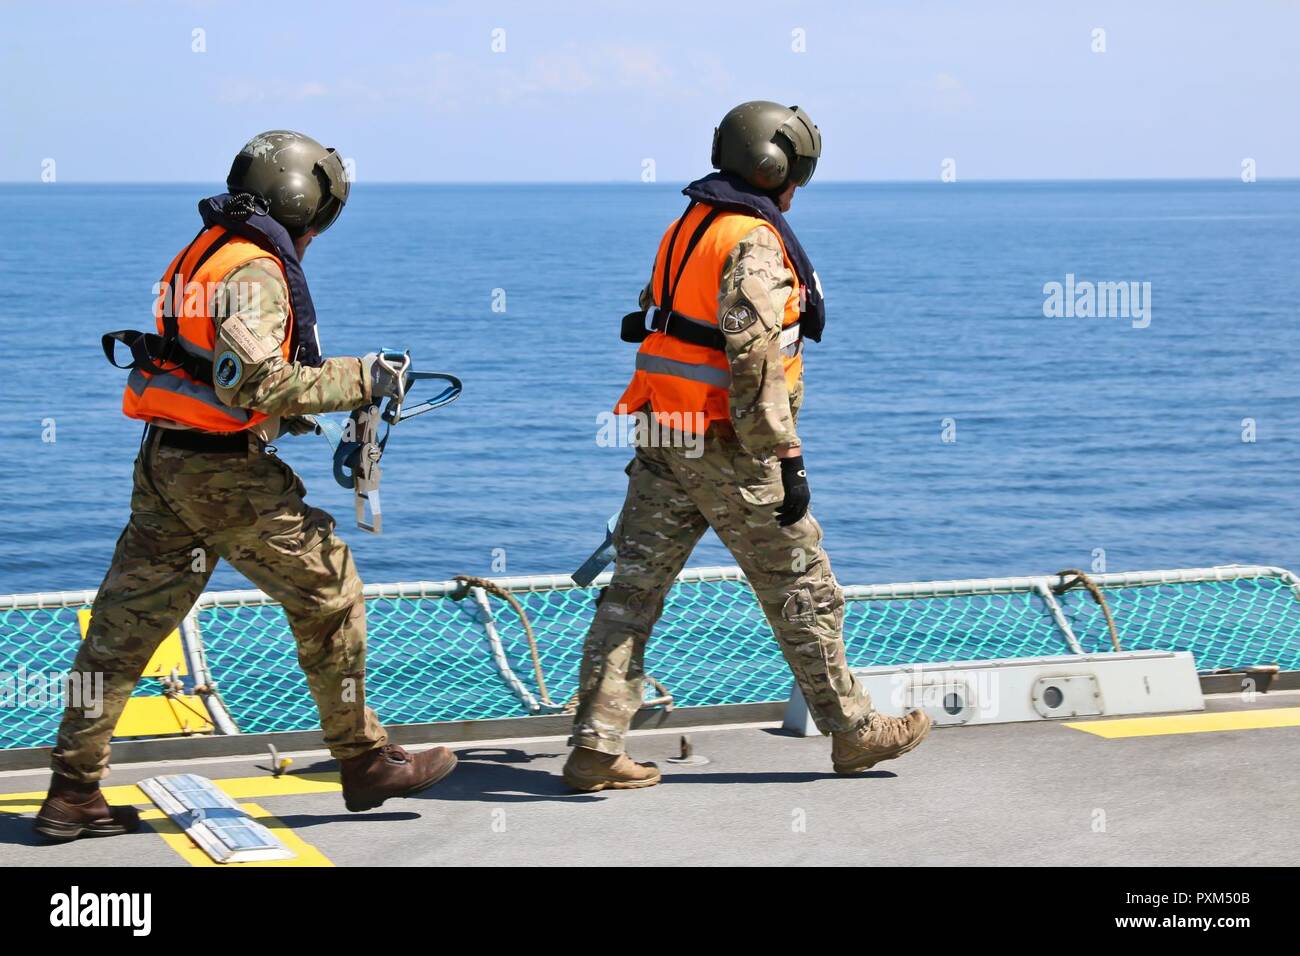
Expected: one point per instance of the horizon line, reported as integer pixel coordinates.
(674, 182)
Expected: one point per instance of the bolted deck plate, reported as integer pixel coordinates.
(214, 821)
(1030, 688)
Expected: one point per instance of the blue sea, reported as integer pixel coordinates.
(1074, 437)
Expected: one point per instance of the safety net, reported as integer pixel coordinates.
(441, 652)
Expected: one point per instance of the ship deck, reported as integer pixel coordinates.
(1212, 788)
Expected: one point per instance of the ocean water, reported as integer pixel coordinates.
(1074, 436)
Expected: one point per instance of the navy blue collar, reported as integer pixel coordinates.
(246, 217)
(725, 191)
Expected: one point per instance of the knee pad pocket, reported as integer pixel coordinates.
(819, 596)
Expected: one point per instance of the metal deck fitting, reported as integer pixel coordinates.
(215, 822)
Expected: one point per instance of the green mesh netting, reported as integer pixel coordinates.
(1223, 623)
(430, 661)
(35, 644)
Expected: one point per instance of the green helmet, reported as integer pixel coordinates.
(767, 145)
(303, 183)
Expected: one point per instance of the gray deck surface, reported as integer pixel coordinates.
(1019, 794)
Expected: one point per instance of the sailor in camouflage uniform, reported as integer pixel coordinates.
(207, 487)
(731, 299)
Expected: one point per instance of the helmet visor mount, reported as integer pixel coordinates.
(332, 174)
(802, 169)
(803, 143)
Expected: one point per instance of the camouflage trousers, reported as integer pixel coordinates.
(672, 499)
(187, 510)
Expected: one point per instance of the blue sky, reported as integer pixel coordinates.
(113, 91)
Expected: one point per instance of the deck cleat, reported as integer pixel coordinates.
(686, 754)
(279, 765)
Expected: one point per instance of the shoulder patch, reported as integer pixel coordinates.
(227, 370)
(739, 317)
(253, 348)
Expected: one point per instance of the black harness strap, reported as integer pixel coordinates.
(170, 327)
(149, 349)
(664, 319)
(665, 289)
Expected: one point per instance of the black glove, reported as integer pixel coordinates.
(794, 479)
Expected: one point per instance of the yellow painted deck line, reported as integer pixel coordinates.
(1191, 723)
(175, 838)
(252, 788)
(241, 788)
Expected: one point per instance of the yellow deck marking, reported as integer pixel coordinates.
(169, 654)
(252, 788)
(175, 838)
(241, 788)
(1191, 723)
(151, 716)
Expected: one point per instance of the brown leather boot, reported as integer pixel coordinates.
(73, 809)
(389, 771)
(590, 770)
(882, 738)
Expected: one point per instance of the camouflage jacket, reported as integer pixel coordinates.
(251, 314)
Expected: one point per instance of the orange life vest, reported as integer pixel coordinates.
(681, 376)
(177, 395)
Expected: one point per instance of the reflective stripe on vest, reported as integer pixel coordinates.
(708, 374)
(680, 379)
(176, 396)
(185, 390)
